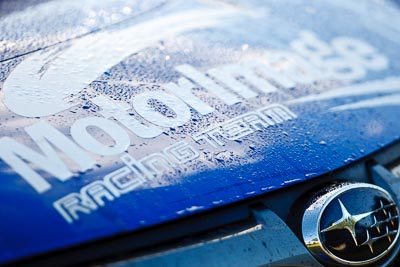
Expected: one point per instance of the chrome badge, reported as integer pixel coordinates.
(352, 224)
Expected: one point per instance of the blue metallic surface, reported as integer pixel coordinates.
(317, 141)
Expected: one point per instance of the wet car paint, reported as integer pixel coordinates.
(326, 127)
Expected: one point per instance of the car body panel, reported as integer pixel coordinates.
(49, 79)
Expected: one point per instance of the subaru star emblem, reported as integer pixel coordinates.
(352, 224)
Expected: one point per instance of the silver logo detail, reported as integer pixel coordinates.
(390, 219)
(351, 223)
(347, 222)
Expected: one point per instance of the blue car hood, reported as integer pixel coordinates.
(119, 116)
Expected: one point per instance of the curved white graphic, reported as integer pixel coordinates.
(390, 86)
(387, 85)
(389, 100)
(47, 83)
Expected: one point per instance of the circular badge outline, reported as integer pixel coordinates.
(312, 217)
